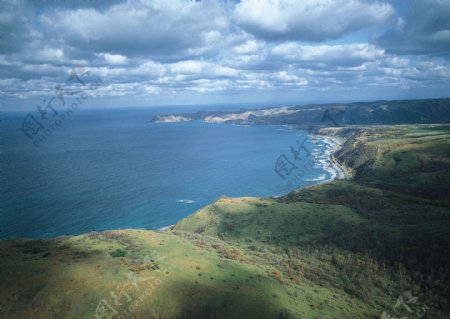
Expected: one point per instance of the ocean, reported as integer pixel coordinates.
(114, 169)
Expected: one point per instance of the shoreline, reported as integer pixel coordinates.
(165, 228)
(340, 172)
(337, 170)
(334, 144)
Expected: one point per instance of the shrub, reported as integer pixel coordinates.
(118, 253)
(231, 253)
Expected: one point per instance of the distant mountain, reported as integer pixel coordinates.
(334, 114)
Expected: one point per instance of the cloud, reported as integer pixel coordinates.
(160, 29)
(179, 50)
(344, 54)
(249, 47)
(202, 68)
(14, 25)
(310, 20)
(423, 29)
(114, 58)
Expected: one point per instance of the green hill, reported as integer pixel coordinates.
(346, 249)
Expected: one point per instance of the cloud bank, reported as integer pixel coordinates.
(178, 51)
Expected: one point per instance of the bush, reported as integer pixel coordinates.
(118, 253)
(231, 253)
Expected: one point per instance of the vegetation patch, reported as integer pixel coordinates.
(118, 253)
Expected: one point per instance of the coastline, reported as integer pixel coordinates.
(333, 166)
(336, 143)
(337, 170)
(165, 228)
(340, 171)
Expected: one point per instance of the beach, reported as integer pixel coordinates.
(341, 171)
(327, 160)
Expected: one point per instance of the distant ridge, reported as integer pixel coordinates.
(425, 111)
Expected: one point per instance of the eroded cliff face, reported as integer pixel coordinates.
(357, 156)
(356, 153)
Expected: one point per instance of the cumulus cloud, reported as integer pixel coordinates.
(179, 50)
(311, 20)
(114, 58)
(249, 47)
(204, 68)
(159, 28)
(344, 54)
(423, 29)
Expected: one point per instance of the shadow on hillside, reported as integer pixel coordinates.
(37, 275)
(217, 300)
(34, 275)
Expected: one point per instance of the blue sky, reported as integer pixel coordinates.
(172, 52)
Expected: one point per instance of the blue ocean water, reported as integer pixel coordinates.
(114, 169)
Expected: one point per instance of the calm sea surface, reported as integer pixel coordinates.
(114, 169)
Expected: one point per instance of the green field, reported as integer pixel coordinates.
(346, 249)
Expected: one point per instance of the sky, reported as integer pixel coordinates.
(174, 52)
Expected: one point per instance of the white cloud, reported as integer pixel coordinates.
(202, 68)
(188, 67)
(49, 54)
(354, 53)
(114, 58)
(152, 89)
(284, 76)
(249, 47)
(176, 49)
(313, 20)
(158, 28)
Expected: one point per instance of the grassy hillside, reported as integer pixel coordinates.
(347, 249)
